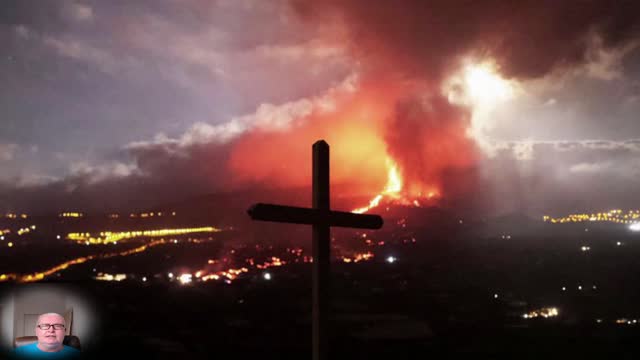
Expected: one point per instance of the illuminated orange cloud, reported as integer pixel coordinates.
(353, 129)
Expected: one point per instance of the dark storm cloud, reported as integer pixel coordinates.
(526, 38)
(128, 70)
(44, 16)
(83, 79)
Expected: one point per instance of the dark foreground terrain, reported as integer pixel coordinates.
(381, 310)
(459, 291)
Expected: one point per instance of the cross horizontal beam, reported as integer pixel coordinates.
(299, 215)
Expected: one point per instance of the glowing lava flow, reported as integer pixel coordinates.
(393, 187)
(231, 274)
(358, 257)
(392, 190)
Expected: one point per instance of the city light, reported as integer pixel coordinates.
(143, 215)
(391, 259)
(107, 237)
(614, 216)
(267, 276)
(15, 216)
(71, 215)
(546, 312)
(185, 278)
(110, 277)
(41, 275)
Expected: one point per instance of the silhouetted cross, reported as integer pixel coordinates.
(321, 217)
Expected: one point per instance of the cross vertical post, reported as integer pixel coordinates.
(321, 217)
(321, 242)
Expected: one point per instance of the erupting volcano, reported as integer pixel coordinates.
(442, 135)
(395, 139)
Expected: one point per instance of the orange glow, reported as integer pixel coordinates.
(230, 274)
(354, 129)
(357, 155)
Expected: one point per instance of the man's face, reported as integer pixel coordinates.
(51, 337)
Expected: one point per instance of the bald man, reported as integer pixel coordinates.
(50, 329)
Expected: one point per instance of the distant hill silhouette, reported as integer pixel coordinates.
(230, 208)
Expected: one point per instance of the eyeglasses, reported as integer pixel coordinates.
(47, 326)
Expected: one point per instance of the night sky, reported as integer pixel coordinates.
(525, 106)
